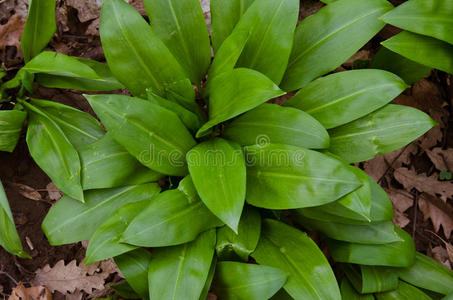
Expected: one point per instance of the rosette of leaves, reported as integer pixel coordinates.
(236, 171)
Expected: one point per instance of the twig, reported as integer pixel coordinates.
(414, 218)
(9, 276)
(391, 164)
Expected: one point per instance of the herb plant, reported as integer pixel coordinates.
(239, 174)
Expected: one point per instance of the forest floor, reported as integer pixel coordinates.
(417, 177)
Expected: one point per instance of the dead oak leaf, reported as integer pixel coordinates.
(402, 201)
(20, 292)
(11, 32)
(441, 158)
(440, 213)
(67, 278)
(440, 254)
(431, 185)
(53, 191)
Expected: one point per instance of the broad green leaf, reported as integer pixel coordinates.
(448, 297)
(404, 291)
(105, 82)
(135, 54)
(153, 134)
(79, 127)
(11, 125)
(405, 68)
(169, 224)
(108, 157)
(381, 209)
(59, 64)
(9, 238)
(270, 123)
(355, 205)
(53, 152)
(39, 28)
(105, 241)
(272, 24)
(286, 248)
(427, 17)
(180, 25)
(397, 254)
(217, 168)
(225, 14)
(244, 243)
(374, 233)
(343, 97)
(207, 284)
(71, 221)
(428, 274)
(124, 290)
(349, 293)
(240, 281)
(371, 279)
(134, 266)
(235, 92)
(180, 272)
(285, 177)
(380, 132)
(328, 38)
(428, 51)
(190, 119)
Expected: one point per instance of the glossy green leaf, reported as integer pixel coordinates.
(349, 293)
(71, 221)
(285, 177)
(270, 123)
(11, 125)
(371, 279)
(448, 297)
(180, 25)
(135, 54)
(108, 157)
(355, 205)
(244, 243)
(375, 233)
(105, 241)
(272, 24)
(240, 281)
(53, 152)
(105, 82)
(79, 127)
(427, 17)
(343, 97)
(397, 254)
(39, 28)
(405, 68)
(134, 266)
(160, 140)
(404, 291)
(225, 14)
(124, 290)
(381, 209)
(190, 119)
(180, 272)
(9, 238)
(217, 168)
(235, 92)
(286, 248)
(328, 38)
(380, 132)
(428, 274)
(428, 51)
(169, 224)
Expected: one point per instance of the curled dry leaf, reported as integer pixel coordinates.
(54, 193)
(27, 191)
(67, 278)
(431, 185)
(32, 293)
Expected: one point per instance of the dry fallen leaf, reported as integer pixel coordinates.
(27, 191)
(431, 185)
(11, 32)
(32, 293)
(53, 191)
(448, 246)
(439, 212)
(440, 254)
(441, 158)
(67, 278)
(77, 295)
(402, 201)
